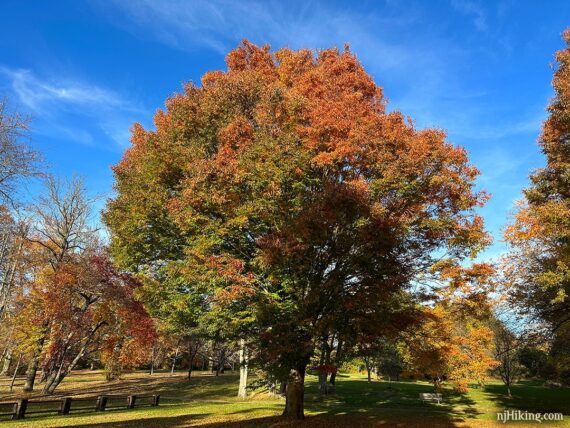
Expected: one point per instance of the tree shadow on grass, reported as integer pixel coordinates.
(357, 404)
(356, 421)
(530, 396)
(163, 421)
(381, 398)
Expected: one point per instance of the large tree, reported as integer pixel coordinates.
(281, 193)
(539, 260)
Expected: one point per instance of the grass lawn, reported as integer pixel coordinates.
(209, 401)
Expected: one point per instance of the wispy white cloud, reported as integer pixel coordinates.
(34, 92)
(423, 63)
(386, 41)
(72, 110)
(219, 24)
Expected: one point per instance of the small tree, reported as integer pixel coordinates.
(507, 352)
(449, 346)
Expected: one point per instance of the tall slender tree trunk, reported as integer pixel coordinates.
(192, 355)
(337, 358)
(221, 362)
(8, 281)
(15, 372)
(174, 361)
(295, 394)
(7, 361)
(368, 368)
(243, 367)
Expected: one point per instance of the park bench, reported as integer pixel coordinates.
(425, 396)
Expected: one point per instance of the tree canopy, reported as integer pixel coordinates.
(280, 194)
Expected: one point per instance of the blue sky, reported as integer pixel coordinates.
(86, 70)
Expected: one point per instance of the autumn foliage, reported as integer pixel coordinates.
(82, 307)
(540, 234)
(537, 267)
(281, 193)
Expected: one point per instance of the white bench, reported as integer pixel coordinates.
(424, 396)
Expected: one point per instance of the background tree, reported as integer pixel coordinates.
(61, 228)
(17, 159)
(283, 185)
(88, 306)
(533, 359)
(454, 341)
(507, 352)
(450, 346)
(390, 361)
(538, 264)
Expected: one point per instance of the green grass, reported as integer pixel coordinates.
(209, 401)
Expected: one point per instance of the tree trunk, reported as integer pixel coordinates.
(295, 394)
(323, 387)
(8, 280)
(322, 374)
(191, 364)
(31, 375)
(243, 367)
(221, 362)
(43, 377)
(337, 358)
(368, 369)
(15, 372)
(272, 385)
(437, 383)
(54, 379)
(32, 370)
(7, 362)
(174, 361)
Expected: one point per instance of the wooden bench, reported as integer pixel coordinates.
(424, 396)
